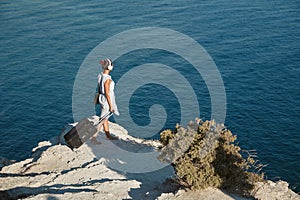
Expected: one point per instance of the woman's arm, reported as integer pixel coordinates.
(107, 94)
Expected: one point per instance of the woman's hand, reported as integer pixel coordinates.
(111, 110)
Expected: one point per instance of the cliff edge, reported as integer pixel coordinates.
(95, 172)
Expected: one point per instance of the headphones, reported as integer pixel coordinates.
(110, 64)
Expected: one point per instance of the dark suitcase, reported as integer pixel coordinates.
(82, 132)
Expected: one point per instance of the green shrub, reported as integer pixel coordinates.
(211, 158)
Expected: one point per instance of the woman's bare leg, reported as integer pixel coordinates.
(106, 130)
(94, 137)
(105, 125)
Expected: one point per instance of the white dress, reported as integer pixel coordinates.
(102, 78)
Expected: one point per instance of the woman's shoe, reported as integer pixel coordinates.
(110, 137)
(95, 141)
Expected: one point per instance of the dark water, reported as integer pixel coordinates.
(255, 45)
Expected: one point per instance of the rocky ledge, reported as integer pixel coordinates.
(56, 172)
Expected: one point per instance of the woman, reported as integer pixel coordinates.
(106, 97)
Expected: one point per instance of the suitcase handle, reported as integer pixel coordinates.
(107, 115)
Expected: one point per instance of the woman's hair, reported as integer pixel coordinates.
(107, 64)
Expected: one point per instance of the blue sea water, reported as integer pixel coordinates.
(255, 45)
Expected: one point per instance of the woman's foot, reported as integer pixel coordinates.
(110, 137)
(95, 141)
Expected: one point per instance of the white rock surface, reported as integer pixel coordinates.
(277, 191)
(89, 172)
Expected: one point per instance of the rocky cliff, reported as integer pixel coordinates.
(54, 171)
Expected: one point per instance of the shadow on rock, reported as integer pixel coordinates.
(153, 184)
(24, 192)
